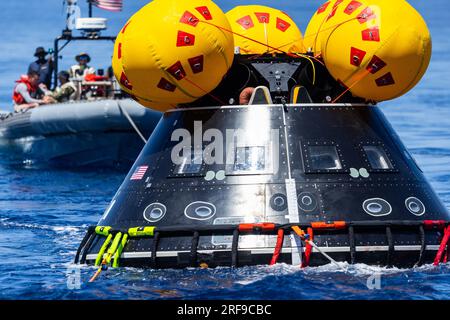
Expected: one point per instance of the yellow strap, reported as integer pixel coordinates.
(102, 250)
(113, 248)
(299, 231)
(295, 91)
(119, 251)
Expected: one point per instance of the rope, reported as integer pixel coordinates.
(83, 243)
(194, 247)
(234, 248)
(391, 247)
(127, 116)
(364, 74)
(278, 246)
(351, 241)
(109, 254)
(423, 246)
(154, 249)
(205, 91)
(308, 249)
(302, 234)
(442, 246)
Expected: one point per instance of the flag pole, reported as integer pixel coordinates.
(90, 8)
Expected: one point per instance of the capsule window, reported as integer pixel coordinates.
(377, 158)
(324, 158)
(249, 159)
(190, 165)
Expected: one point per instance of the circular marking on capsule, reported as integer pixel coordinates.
(415, 206)
(154, 212)
(220, 175)
(200, 210)
(210, 175)
(307, 201)
(364, 173)
(377, 207)
(354, 173)
(278, 202)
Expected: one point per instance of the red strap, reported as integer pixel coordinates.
(329, 225)
(279, 245)
(248, 227)
(308, 249)
(429, 224)
(442, 247)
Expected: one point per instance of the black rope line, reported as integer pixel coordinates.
(87, 248)
(422, 246)
(351, 241)
(234, 249)
(155, 244)
(391, 248)
(194, 247)
(83, 243)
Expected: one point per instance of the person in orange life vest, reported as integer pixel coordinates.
(24, 95)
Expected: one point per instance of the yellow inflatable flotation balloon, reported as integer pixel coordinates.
(380, 49)
(271, 28)
(172, 52)
(313, 34)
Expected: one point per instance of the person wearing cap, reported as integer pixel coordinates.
(67, 90)
(82, 69)
(43, 66)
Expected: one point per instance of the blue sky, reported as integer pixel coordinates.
(27, 24)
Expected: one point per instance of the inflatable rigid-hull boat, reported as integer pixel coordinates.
(337, 171)
(76, 134)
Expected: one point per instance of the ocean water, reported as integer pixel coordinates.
(44, 212)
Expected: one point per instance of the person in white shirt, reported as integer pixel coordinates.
(82, 69)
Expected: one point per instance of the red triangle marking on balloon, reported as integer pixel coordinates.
(164, 84)
(262, 17)
(385, 80)
(352, 7)
(196, 64)
(323, 7)
(371, 34)
(189, 18)
(375, 65)
(125, 82)
(366, 15)
(185, 39)
(332, 13)
(246, 22)
(204, 11)
(282, 24)
(356, 56)
(177, 71)
(337, 3)
(125, 26)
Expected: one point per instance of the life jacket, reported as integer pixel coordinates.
(17, 97)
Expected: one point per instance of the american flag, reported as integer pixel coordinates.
(139, 173)
(111, 5)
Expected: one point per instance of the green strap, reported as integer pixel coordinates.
(98, 261)
(119, 251)
(102, 231)
(141, 231)
(112, 249)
